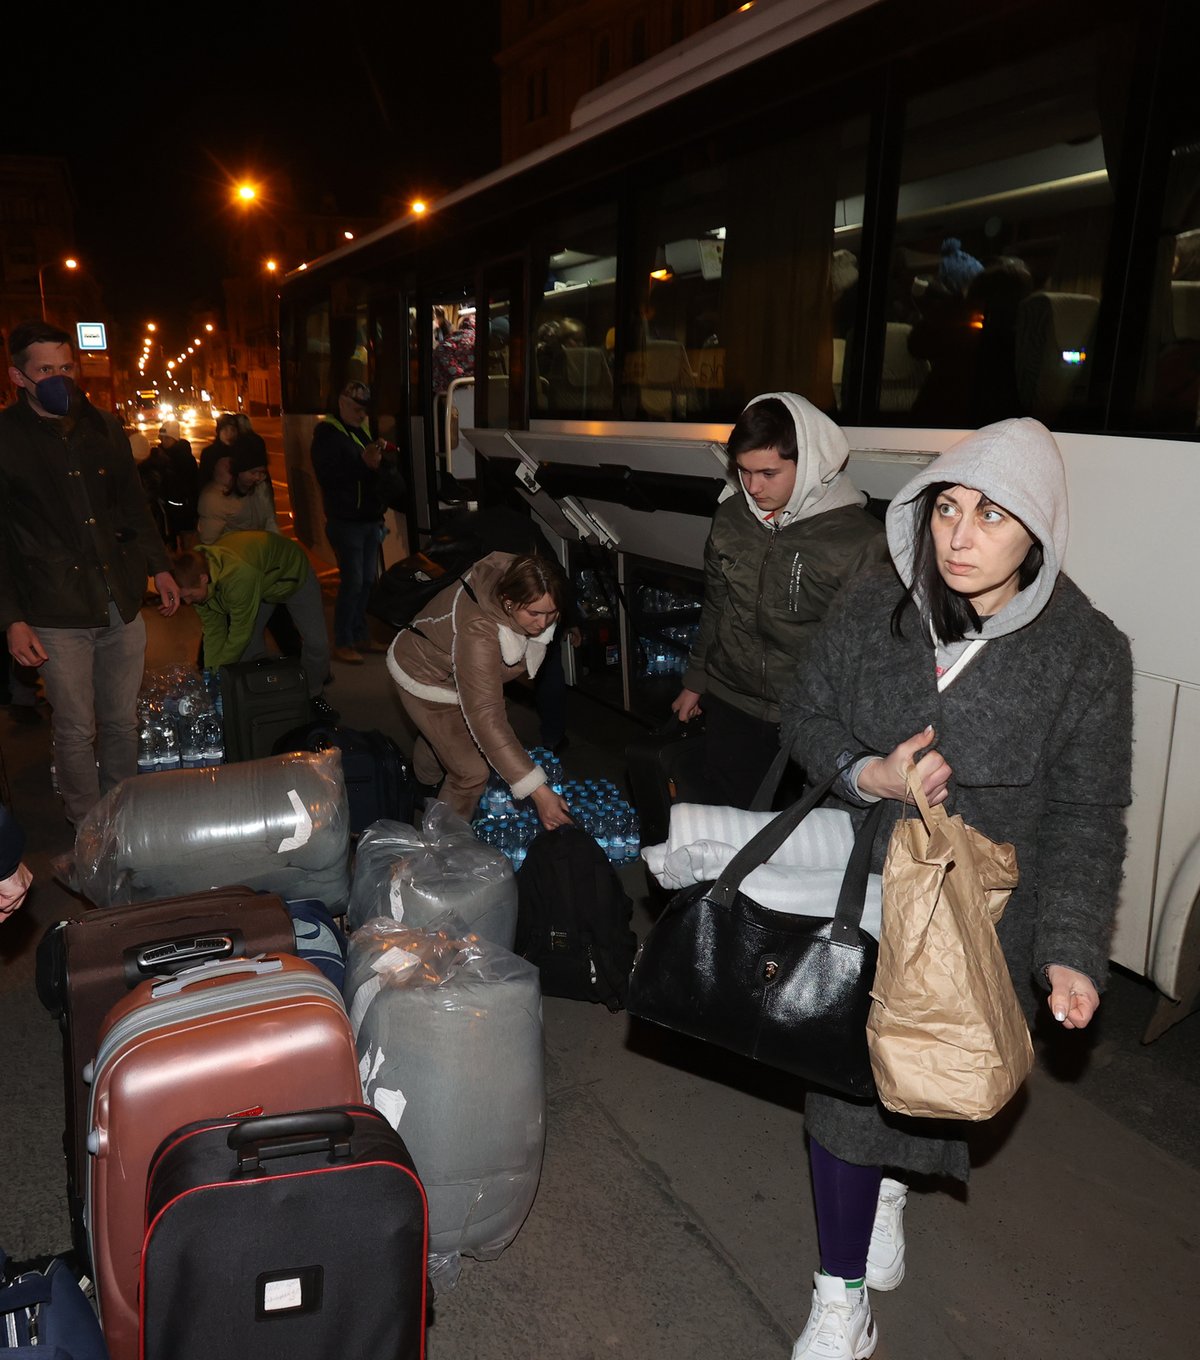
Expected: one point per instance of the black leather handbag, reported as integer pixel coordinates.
(789, 991)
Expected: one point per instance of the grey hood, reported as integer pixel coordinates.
(822, 452)
(1016, 463)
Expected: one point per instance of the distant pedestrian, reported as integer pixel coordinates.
(76, 545)
(350, 469)
(171, 478)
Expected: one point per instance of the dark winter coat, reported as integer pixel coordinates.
(76, 525)
(1038, 732)
(350, 490)
(765, 592)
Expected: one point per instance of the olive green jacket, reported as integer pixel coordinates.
(245, 570)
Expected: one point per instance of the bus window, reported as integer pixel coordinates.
(574, 318)
(1000, 242)
(746, 274)
(1169, 391)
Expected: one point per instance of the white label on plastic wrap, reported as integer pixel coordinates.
(396, 899)
(395, 960)
(363, 997)
(278, 1294)
(390, 1104)
(304, 825)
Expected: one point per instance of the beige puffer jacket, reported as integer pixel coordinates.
(461, 650)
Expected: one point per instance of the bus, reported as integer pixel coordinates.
(921, 215)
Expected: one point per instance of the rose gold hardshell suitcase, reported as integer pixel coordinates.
(254, 1036)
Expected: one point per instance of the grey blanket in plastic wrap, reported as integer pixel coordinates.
(415, 876)
(449, 1031)
(280, 824)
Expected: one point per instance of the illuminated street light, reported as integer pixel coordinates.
(68, 263)
(246, 193)
(150, 326)
(271, 266)
(418, 205)
(349, 235)
(208, 325)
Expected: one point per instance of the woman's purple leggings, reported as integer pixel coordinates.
(845, 1196)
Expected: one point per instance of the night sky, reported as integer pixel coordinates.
(158, 115)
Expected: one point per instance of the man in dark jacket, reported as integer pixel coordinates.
(349, 466)
(78, 545)
(777, 553)
(171, 478)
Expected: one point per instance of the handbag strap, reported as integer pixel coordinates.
(769, 787)
(764, 844)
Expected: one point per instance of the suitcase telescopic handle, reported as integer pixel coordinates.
(215, 968)
(289, 1135)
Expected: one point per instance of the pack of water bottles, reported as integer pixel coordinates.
(179, 720)
(596, 805)
(666, 652)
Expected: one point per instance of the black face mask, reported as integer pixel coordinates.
(57, 394)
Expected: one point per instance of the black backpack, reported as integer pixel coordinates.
(573, 919)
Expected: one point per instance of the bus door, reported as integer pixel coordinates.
(452, 376)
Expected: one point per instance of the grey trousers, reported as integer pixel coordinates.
(308, 614)
(92, 677)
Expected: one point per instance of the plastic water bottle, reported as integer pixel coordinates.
(632, 835)
(190, 752)
(168, 746)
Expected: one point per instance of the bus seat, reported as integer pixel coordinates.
(581, 379)
(1185, 308)
(1054, 335)
(903, 373)
(667, 379)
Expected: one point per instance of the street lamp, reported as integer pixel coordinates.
(68, 263)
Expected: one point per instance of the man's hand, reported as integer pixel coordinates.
(372, 455)
(13, 890)
(1073, 996)
(168, 592)
(24, 645)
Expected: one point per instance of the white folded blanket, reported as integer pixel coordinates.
(803, 877)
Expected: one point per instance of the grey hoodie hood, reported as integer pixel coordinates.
(822, 452)
(1015, 463)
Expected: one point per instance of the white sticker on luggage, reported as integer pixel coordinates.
(390, 1104)
(279, 1294)
(304, 825)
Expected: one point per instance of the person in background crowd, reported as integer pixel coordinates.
(171, 478)
(235, 584)
(451, 664)
(15, 876)
(776, 555)
(454, 357)
(349, 465)
(1013, 695)
(78, 545)
(239, 496)
(221, 447)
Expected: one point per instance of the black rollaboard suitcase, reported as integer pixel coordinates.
(262, 700)
(665, 767)
(288, 1237)
(87, 963)
(378, 784)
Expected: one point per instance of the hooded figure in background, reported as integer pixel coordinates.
(986, 667)
(777, 553)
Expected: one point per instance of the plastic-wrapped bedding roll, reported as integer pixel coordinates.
(415, 876)
(280, 824)
(449, 1031)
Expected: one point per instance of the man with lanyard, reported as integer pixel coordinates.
(78, 546)
(347, 463)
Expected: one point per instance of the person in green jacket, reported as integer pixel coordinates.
(777, 553)
(235, 583)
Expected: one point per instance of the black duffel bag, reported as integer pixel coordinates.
(789, 991)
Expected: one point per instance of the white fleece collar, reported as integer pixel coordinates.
(514, 646)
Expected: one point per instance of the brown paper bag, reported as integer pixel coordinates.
(946, 1033)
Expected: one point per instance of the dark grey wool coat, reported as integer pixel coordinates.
(1038, 732)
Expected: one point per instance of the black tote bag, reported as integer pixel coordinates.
(789, 991)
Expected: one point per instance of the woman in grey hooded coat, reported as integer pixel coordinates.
(987, 667)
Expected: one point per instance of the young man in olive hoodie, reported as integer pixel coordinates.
(235, 583)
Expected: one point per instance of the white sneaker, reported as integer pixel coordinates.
(840, 1326)
(885, 1257)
